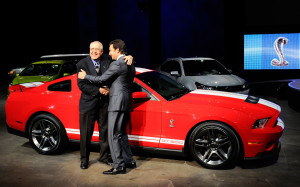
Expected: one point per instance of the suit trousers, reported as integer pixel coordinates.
(118, 138)
(87, 124)
(103, 133)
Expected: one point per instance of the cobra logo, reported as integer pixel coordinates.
(278, 45)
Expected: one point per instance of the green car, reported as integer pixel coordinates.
(43, 71)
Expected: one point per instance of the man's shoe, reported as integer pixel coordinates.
(113, 171)
(84, 165)
(131, 165)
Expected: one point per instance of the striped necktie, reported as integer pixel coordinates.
(97, 67)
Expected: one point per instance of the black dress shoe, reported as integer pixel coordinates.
(113, 171)
(130, 165)
(84, 165)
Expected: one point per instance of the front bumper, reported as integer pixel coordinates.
(270, 154)
(264, 142)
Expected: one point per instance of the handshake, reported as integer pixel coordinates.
(103, 90)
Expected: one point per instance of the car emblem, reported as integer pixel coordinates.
(171, 121)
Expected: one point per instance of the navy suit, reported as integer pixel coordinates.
(120, 105)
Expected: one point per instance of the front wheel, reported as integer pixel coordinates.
(214, 145)
(47, 135)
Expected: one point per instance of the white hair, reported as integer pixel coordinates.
(97, 42)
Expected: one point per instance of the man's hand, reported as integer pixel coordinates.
(128, 59)
(81, 74)
(104, 90)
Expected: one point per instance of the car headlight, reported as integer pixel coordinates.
(260, 123)
(203, 87)
(245, 86)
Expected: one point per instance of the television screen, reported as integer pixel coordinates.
(272, 51)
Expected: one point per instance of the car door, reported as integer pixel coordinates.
(65, 98)
(144, 129)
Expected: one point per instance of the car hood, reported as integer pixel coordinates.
(25, 79)
(218, 80)
(228, 100)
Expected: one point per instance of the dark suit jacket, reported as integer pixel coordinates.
(91, 99)
(120, 93)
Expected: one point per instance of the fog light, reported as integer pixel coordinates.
(260, 123)
(245, 86)
(270, 146)
(254, 143)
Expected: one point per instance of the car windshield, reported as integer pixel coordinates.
(41, 70)
(163, 85)
(203, 67)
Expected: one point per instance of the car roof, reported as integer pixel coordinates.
(49, 62)
(139, 70)
(190, 58)
(70, 57)
(64, 55)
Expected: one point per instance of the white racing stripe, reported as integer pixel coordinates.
(280, 123)
(137, 138)
(270, 104)
(219, 93)
(171, 141)
(143, 138)
(236, 96)
(77, 131)
(142, 70)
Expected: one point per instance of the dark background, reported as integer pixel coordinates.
(153, 30)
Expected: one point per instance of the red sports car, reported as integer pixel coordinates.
(214, 127)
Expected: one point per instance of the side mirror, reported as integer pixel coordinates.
(175, 73)
(17, 74)
(140, 97)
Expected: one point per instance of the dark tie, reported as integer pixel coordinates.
(97, 67)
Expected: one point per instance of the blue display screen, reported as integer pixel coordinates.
(272, 51)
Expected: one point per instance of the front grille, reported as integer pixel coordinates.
(231, 88)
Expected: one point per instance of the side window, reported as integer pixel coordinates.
(138, 88)
(64, 86)
(171, 66)
(69, 67)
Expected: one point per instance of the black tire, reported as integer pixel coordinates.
(47, 134)
(214, 145)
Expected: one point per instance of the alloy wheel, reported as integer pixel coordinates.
(44, 135)
(213, 146)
